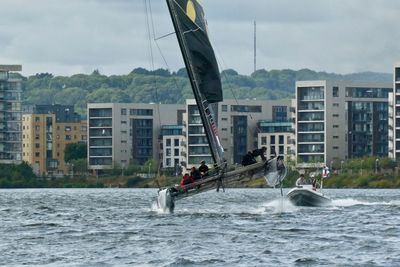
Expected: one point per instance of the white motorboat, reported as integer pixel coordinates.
(306, 195)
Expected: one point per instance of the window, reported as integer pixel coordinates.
(37, 119)
(168, 142)
(37, 128)
(243, 108)
(37, 154)
(67, 128)
(141, 112)
(176, 142)
(263, 140)
(84, 137)
(335, 91)
(335, 104)
(335, 115)
(83, 128)
(335, 126)
(224, 119)
(123, 122)
(335, 137)
(272, 140)
(224, 108)
(123, 111)
(37, 145)
(123, 141)
(281, 141)
(37, 137)
(67, 137)
(335, 147)
(168, 152)
(176, 152)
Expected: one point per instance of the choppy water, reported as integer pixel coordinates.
(242, 227)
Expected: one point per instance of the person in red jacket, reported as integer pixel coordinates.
(186, 179)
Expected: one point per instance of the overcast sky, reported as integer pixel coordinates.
(66, 37)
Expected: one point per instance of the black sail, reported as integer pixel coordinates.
(193, 27)
(198, 55)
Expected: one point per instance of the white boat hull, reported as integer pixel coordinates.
(306, 196)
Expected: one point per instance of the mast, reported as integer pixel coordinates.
(206, 113)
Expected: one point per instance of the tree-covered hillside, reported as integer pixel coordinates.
(161, 86)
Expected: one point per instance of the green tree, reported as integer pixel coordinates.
(75, 151)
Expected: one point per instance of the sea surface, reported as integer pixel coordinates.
(241, 227)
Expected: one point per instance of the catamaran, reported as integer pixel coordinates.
(199, 58)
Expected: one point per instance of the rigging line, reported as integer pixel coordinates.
(152, 32)
(164, 58)
(165, 35)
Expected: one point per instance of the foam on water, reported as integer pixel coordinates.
(280, 205)
(348, 202)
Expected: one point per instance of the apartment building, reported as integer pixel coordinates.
(46, 130)
(394, 116)
(337, 120)
(10, 115)
(173, 147)
(124, 133)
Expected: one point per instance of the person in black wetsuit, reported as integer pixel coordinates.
(203, 169)
(260, 152)
(248, 159)
(195, 174)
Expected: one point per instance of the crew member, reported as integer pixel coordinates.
(300, 181)
(195, 174)
(248, 159)
(203, 169)
(260, 152)
(186, 179)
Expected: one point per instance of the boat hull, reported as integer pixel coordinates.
(273, 167)
(307, 197)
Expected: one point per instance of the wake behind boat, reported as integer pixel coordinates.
(203, 72)
(306, 195)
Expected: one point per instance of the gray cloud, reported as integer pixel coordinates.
(70, 36)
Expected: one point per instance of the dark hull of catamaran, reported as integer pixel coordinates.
(307, 197)
(168, 196)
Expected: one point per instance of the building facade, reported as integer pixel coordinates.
(394, 116)
(237, 124)
(10, 115)
(278, 137)
(124, 133)
(173, 147)
(46, 132)
(337, 120)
